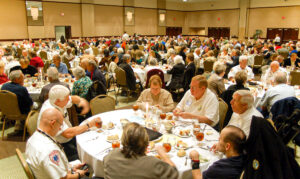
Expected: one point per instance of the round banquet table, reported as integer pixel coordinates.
(92, 146)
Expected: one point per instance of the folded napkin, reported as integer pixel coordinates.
(152, 134)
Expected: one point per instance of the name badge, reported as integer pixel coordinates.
(188, 103)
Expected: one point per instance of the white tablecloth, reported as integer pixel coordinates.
(91, 144)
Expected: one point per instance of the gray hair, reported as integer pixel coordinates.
(52, 73)
(219, 68)
(243, 58)
(92, 62)
(126, 57)
(79, 72)
(178, 59)
(280, 77)
(120, 50)
(58, 92)
(246, 97)
(87, 51)
(153, 61)
(171, 51)
(15, 75)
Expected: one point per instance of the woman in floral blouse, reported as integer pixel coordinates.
(82, 83)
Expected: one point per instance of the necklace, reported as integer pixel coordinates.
(57, 143)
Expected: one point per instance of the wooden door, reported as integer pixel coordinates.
(290, 34)
(224, 32)
(173, 31)
(213, 32)
(68, 32)
(271, 33)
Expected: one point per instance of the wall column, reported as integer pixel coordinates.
(87, 18)
(243, 20)
(161, 5)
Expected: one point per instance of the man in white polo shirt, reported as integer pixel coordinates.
(59, 98)
(243, 110)
(199, 103)
(243, 61)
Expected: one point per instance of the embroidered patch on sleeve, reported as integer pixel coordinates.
(54, 157)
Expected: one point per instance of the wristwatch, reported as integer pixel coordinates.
(195, 164)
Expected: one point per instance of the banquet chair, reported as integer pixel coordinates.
(177, 49)
(122, 83)
(25, 165)
(47, 64)
(158, 72)
(208, 65)
(223, 107)
(73, 51)
(19, 52)
(66, 61)
(10, 109)
(43, 55)
(295, 78)
(141, 47)
(102, 103)
(31, 123)
(258, 60)
(95, 51)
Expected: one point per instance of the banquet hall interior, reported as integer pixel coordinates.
(185, 89)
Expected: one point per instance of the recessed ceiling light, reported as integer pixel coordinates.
(184, 0)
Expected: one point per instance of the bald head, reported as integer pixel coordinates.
(235, 136)
(274, 66)
(51, 121)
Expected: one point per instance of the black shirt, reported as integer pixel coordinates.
(31, 70)
(229, 168)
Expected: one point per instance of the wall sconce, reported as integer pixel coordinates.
(162, 17)
(129, 16)
(34, 13)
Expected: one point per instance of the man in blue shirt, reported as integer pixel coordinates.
(24, 100)
(61, 67)
(231, 144)
(293, 50)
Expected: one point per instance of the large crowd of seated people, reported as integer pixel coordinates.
(193, 92)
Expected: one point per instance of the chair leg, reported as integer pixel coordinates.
(116, 94)
(24, 133)
(3, 127)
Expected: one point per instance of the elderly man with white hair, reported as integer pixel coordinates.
(280, 91)
(59, 98)
(11, 62)
(242, 66)
(269, 75)
(243, 110)
(53, 77)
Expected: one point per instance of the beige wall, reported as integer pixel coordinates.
(13, 19)
(272, 3)
(108, 26)
(145, 21)
(263, 18)
(228, 18)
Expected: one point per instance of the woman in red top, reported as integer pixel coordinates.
(3, 76)
(35, 60)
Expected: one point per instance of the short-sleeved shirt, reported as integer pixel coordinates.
(66, 123)
(243, 121)
(63, 69)
(234, 70)
(207, 105)
(228, 168)
(45, 158)
(276, 93)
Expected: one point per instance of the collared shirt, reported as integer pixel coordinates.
(164, 100)
(63, 69)
(243, 121)
(276, 93)
(269, 75)
(234, 70)
(66, 123)
(45, 158)
(207, 105)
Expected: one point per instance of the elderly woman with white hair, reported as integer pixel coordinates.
(171, 54)
(177, 74)
(82, 83)
(216, 81)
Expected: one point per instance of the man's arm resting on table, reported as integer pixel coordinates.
(201, 119)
